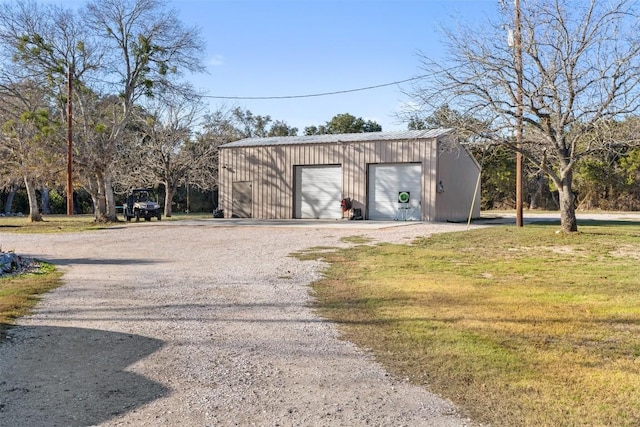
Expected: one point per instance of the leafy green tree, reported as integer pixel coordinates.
(236, 123)
(280, 128)
(46, 44)
(222, 125)
(609, 180)
(124, 50)
(344, 123)
(250, 125)
(630, 165)
(630, 170)
(315, 130)
(27, 136)
(247, 125)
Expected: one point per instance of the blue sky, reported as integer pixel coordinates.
(271, 48)
(262, 48)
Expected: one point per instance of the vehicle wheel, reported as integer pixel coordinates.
(159, 216)
(137, 215)
(147, 218)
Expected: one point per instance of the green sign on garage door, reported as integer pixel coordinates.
(390, 184)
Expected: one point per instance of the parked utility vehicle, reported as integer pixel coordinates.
(141, 204)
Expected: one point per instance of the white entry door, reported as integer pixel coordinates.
(395, 191)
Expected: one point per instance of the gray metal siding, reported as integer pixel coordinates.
(459, 171)
(271, 168)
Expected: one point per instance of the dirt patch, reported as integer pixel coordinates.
(627, 251)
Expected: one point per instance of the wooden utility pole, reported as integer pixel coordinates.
(518, 60)
(69, 141)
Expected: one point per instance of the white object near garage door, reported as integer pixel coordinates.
(395, 191)
(318, 192)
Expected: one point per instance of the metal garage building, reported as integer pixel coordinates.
(407, 175)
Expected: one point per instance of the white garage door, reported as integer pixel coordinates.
(318, 192)
(389, 183)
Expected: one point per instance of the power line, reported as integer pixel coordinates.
(315, 94)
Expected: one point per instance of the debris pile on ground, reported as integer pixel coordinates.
(12, 263)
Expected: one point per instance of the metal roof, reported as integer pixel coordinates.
(337, 138)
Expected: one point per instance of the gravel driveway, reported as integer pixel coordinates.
(198, 323)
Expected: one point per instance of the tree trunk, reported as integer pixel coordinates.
(568, 220)
(94, 200)
(101, 205)
(34, 212)
(8, 205)
(536, 186)
(110, 200)
(44, 196)
(168, 197)
(92, 188)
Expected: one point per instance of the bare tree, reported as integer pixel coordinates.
(167, 151)
(580, 74)
(46, 41)
(147, 49)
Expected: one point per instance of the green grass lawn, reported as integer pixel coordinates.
(50, 224)
(18, 294)
(64, 223)
(520, 327)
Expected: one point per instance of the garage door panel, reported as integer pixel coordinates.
(318, 192)
(386, 181)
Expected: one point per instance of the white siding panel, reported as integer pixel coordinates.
(318, 192)
(386, 181)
